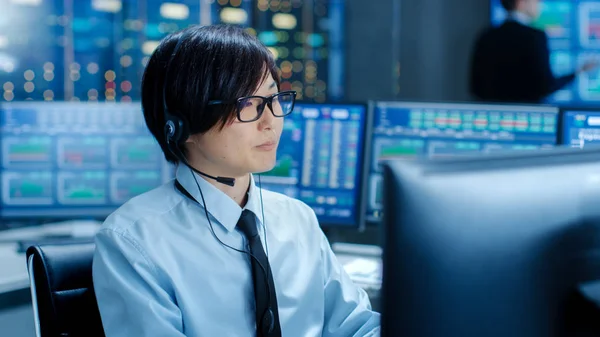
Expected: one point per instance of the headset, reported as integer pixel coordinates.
(177, 131)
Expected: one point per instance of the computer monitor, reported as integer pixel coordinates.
(319, 161)
(580, 127)
(494, 246)
(409, 130)
(573, 38)
(75, 160)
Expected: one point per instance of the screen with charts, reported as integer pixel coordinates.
(319, 160)
(75, 159)
(573, 29)
(581, 127)
(407, 130)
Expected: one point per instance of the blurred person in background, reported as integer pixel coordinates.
(511, 62)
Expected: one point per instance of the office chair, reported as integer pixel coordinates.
(64, 303)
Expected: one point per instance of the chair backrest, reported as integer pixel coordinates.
(63, 296)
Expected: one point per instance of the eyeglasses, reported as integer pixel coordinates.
(251, 108)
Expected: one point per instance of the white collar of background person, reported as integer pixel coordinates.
(520, 17)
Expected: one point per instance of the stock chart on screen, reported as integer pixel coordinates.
(75, 159)
(319, 160)
(409, 130)
(573, 29)
(581, 127)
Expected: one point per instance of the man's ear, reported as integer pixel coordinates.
(191, 139)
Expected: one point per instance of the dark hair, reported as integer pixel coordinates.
(218, 62)
(509, 5)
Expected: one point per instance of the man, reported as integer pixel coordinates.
(212, 254)
(511, 63)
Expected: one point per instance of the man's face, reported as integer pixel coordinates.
(242, 148)
(531, 8)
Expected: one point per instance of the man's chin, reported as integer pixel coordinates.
(264, 167)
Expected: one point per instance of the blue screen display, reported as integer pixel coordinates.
(581, 128)
(411, 130)
(573, 29)
(97, 50)
(319, 160)
(75, 159)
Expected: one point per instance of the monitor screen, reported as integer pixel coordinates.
(319, 160)
(573, 31)
(409, 130)
(75, 159)
(580, 127)
(499, 245)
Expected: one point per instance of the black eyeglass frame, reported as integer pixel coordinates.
(266, 101)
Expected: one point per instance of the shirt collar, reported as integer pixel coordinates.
(218, 204)
(520, 17)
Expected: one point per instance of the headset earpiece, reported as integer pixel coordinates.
(176, 129)
(176, 133)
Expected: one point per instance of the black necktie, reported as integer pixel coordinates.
(267, 314)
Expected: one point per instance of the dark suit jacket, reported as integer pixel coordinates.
(511, 63)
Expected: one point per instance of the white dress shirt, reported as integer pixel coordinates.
(159, 271)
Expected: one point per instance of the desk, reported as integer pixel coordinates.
(13, 269)
(363, 265)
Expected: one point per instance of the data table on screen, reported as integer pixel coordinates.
(580, 127)
(411, 130)
(319, 160)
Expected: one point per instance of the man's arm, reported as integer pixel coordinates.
(130, 291)
(347, 307)
(542, 70)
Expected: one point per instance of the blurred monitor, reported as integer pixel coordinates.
(409, 130)
(68, 159)
(319, 160)
(573, 29)
(580, 127)
(495, 246)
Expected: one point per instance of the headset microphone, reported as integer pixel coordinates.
(177, 153)
(223, 180)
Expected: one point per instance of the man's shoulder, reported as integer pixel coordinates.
(508, 36)
(284, 208)
(146, 207)
(519, 30)
(282, 201)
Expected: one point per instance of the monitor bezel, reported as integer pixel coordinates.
(433, 171)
